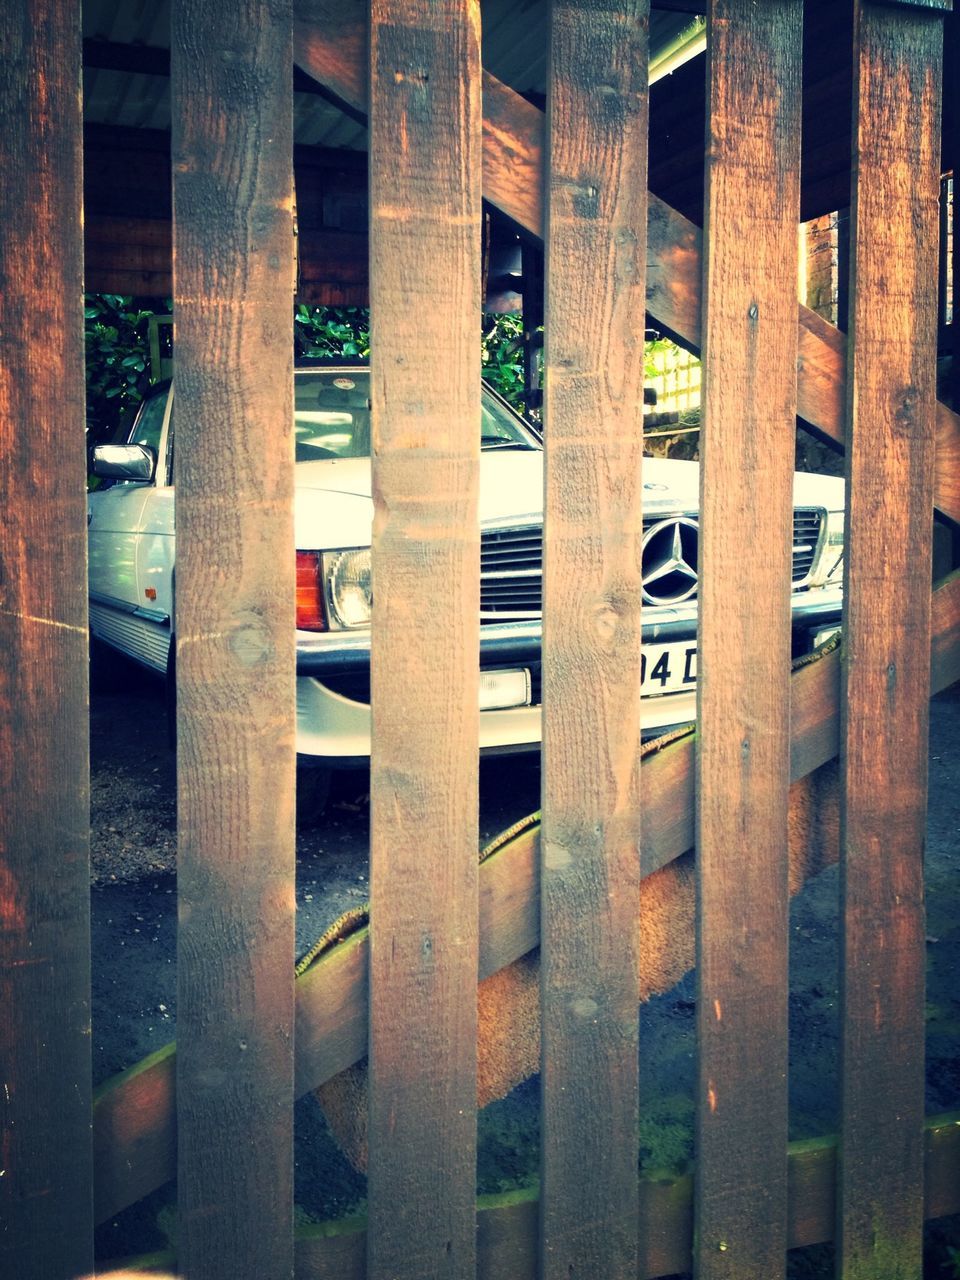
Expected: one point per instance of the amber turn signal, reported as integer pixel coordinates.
(310, 614)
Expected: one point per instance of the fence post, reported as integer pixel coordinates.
(890, 470)
(593, 525)
(45, 1186)
(233, 285)
(746, 504)
(425, 212)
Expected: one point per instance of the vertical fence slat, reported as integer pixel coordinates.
(233, 280)
(45, 1198)
(749, 413)
(590, 866)
(890, 462)
(425, 245)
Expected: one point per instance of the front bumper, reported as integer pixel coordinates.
(336, 727)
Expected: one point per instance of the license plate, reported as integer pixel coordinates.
(666, 668)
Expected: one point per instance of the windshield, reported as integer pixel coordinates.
(332, 416)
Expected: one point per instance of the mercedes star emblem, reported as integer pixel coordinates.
(670, 561)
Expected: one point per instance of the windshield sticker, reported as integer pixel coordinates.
(344, 384)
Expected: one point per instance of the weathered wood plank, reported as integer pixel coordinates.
(45, 1200)
(593, 527)
(233, 286)
(743, 689)
(890, 459)
(330, 39)
(133, 1115)
(425, 211)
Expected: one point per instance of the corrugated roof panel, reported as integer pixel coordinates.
(514, 36)
(318, 123)
(125, 99)
(128, 21)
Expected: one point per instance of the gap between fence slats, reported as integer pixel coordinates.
(593, 526)
(425, 210)
(890, 457)
(233, 286)
(743, 683)
(46, 1165)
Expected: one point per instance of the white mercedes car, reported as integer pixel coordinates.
(133, 553)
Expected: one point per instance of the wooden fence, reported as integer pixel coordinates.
(443, 133)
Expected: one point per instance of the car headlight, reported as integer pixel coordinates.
(829, 568)
(347, 577)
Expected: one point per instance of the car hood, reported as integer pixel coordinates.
(334, 506)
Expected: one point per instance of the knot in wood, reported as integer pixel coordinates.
(415, 77)
(607, 618)
(585, 197)
(250, 642)
(556, 857)
(584, 1007)
(906, 417)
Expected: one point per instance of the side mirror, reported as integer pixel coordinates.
(123, 461)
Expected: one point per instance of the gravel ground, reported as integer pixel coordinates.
(134, 925)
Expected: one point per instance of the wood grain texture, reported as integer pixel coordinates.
(743, 687)
(593, 526)
(233, 294)
(424, 193)
(133, 1116)
(45, 1150)
(890, 458)
(329, 43)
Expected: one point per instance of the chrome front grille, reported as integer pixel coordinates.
(511, 572)
(511, 563)
(807, 531)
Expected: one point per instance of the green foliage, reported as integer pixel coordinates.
(331, 332)
(501, 357)
(652, 348)
(117, 357)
